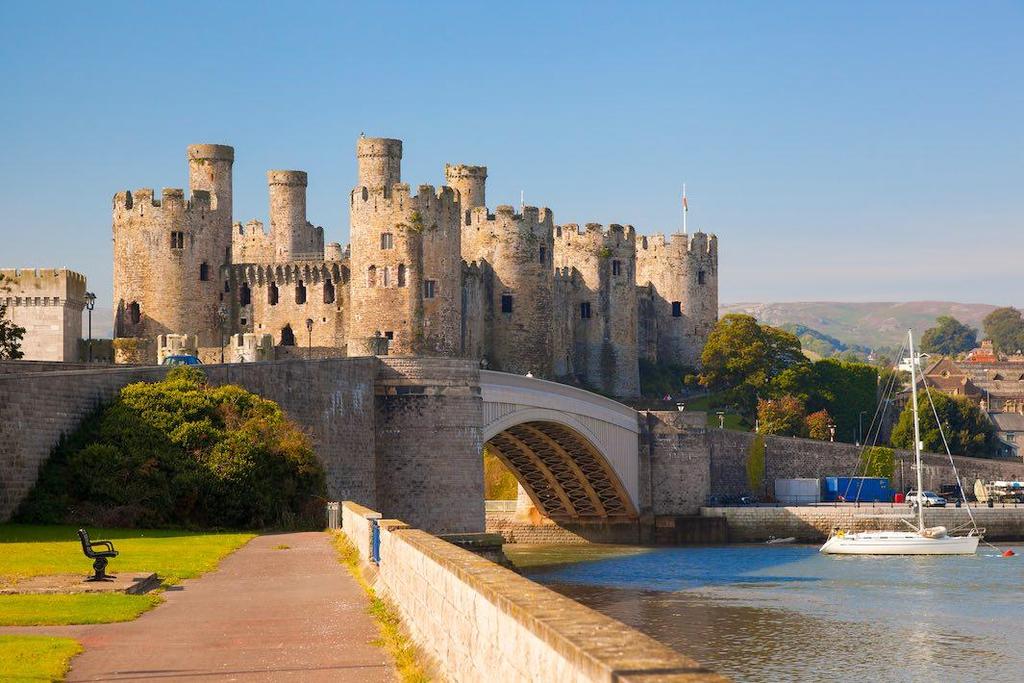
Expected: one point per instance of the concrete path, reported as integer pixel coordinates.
(265, 614)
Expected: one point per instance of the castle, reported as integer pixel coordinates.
(427, 273)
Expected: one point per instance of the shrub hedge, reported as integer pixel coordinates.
(181, 452)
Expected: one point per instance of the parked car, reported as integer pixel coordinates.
(952, 493)
(182, 360)
(929, 499)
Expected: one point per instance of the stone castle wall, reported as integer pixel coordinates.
(432, 272)
(332, 399)
(482, 622)
(48, 303)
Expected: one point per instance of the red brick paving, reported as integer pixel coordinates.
(264, 615)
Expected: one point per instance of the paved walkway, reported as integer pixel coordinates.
(265, 614)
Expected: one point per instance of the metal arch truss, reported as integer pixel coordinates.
(562, 471)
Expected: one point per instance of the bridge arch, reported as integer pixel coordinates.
(574, 452)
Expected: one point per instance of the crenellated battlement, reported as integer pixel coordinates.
(532, 220)
(620, 238)
(31, 283)
(428, 200)
(676, 245)
(143, 202)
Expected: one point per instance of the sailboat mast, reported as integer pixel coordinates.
(917, 428)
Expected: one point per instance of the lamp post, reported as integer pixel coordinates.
(90, 303)
(831, 431)
(222, 316)
(681, 406)
(309, 338)
(721, 419)
(860, 427)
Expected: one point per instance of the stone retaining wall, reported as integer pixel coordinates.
(481, 622)
(812, 523)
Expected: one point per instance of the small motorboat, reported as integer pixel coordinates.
(775, 541)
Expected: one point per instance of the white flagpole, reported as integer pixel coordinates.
(685, 208)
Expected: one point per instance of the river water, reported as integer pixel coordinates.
(788, 613)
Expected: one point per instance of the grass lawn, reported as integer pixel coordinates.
(35, 550)
(79, 608)
(732, 420)
(36, 658)
(32, 550)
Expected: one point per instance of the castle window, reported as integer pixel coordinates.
(287, 336)
(177, 239)
(386, 276)
(272, 294)
(429, 289)
(328, 292)
(244, 295)
(585, 310)
(701, 278)
(677, 309)
(134, 314)
(401, 275)
(386, 241)
(616, 267)
(204, 271)
(244, 321)
(227, 287)
(389, 335)
(371, 276)
(506, 303)
(300, 293)
(543, 254)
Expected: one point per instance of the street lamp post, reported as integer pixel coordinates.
(222, 317)
(721, 419)
(90, 303)
(309, 338)
(860, 427)
(831, 432)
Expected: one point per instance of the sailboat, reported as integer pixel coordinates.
(918, 540)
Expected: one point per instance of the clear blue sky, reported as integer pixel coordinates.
(823, 142)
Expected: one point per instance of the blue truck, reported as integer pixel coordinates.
(856, 490)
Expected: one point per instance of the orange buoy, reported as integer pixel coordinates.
(1008, 553)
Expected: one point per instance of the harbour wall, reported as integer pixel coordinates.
(481, 622)
(812, 523)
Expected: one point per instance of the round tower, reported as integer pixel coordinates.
(471, 184)
(168, 254)
(287, 210)
(209, 168)
(515, 252)
(380, 162)
(605, 309)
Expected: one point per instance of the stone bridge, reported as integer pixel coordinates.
(574, 452)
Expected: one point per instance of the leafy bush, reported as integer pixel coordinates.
(180, 452)
(818, 425)
(783, 416)
(878, 461)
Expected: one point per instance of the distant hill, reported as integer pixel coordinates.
(871, 325)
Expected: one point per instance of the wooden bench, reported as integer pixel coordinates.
(99, 557)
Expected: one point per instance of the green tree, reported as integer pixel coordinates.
(967, 430)
(11, 335)
(878, 461)
(818, 425)
(845, 389)
(180, 452)
(783, 416)
(1005, 327)
(741, 356)
(949, 337)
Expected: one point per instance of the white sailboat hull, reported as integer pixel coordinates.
(899, 543)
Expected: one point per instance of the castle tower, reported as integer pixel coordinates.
(471, 184)
(514, 252)
(380, 163)
(605, 307)
(168, 254)
(292, 235)
(682, 274)
(209, 169)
